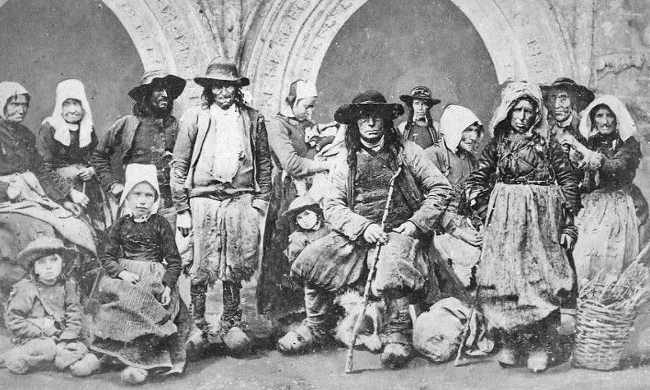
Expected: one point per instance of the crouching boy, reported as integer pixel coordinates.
(44, 314)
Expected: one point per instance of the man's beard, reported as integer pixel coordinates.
(161, 112)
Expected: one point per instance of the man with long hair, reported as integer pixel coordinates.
(419, 127)
(353, 208)
(146, 137)
(221, 184)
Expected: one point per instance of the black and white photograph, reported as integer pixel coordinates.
(325, 194)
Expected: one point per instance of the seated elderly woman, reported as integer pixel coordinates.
(27, 188)
(608, 225)
(524, 273)
(66, 141)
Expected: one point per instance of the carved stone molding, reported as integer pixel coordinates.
(168, 35)
(523, 38)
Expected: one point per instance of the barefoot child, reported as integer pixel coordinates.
(44, 314)
(141, 322)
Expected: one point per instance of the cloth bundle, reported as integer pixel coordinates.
(438, 333)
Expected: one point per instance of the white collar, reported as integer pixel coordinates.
(218, 111)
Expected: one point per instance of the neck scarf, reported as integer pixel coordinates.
(374, 146)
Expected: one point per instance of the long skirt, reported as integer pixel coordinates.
(226, 239)
(524, 273)
(132, 325)
(608, 237)
(277, 295)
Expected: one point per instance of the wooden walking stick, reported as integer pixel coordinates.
(466, 331)
(371, 275)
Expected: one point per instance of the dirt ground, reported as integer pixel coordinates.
(267, 369)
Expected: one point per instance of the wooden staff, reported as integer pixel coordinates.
(371, 275)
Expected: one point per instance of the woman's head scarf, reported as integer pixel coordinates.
(511, 93)
(71, 89)
(624, 123)
(135, 174)
(299, 89)
(9, 89)
(454, 120)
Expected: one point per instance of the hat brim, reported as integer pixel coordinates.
(408, 99)
(209, 81)
(26, 261)
(175, 86)
(289, 215)
(348, 113)
(581, 92)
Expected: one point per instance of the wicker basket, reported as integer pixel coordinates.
(601, 335)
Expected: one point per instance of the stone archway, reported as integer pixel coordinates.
(168, 35)
(294, 36)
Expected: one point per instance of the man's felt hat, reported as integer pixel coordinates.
(173, 84)
(41, 247)
(422, 93)
(583, 94)
(368, 101)
(222, 71)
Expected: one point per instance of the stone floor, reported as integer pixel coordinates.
(267, 369)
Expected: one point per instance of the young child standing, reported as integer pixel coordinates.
(44, 314)
(142, 322)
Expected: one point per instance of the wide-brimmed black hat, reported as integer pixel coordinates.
(368, 101)
(41, 247)
(222, 71)
(583, 94)
(422, 93)
(173, 84)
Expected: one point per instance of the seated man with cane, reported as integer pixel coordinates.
(354, 206)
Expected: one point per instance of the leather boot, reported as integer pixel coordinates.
(230, 324)
(507, 356)
(399, 333)
(197, 340)
(314, 329)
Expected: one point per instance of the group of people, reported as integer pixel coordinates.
(223, 194)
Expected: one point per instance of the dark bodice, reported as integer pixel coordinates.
(520, 159)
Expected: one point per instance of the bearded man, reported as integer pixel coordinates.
(146, 137)
(221, 184)
(353, 208)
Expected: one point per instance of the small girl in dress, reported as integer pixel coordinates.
(141, 322)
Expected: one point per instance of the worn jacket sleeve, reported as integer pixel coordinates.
(336, 206)
(73, 313)
(56, 187)
(436, 190)
(172, 257)
(103, 154)
(112, 249)
(565, 176)
(46, 144)
(18, 308)
(180, 165)
(263, 164)
(291, 162)
(625, 162)
(478, 181)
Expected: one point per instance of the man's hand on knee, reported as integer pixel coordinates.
(374, 234)
(408, 228)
